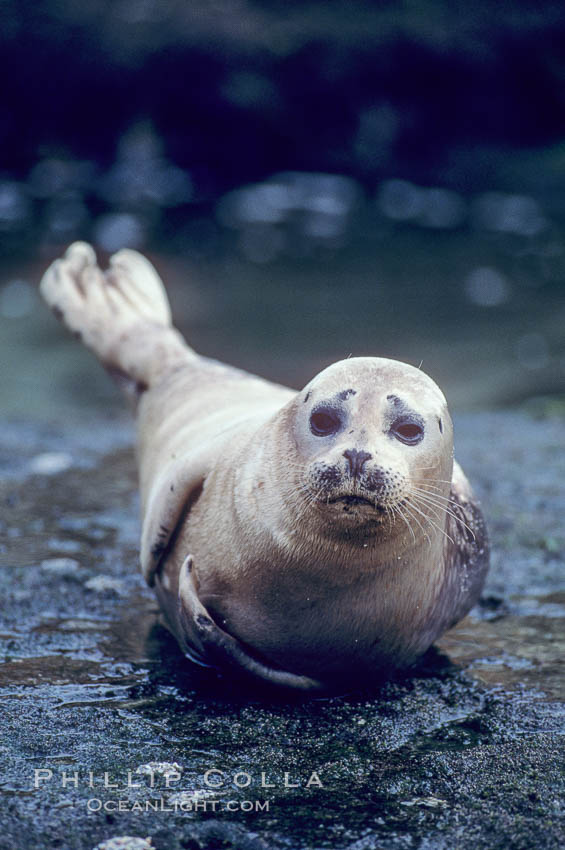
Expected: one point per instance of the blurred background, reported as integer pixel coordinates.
(312, 179)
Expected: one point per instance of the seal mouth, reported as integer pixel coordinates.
(352, 500)
(356, 505)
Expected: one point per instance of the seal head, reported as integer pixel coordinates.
(376, 441)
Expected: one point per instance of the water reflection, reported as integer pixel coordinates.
(487, 287)
(290, 213)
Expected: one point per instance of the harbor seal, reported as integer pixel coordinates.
(308, 538)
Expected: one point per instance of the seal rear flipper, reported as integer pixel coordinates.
(121, 314)
(205, 642)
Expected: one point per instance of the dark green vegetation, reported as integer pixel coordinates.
(238, 90)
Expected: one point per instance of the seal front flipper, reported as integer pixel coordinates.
(171, 496)
(204, 642)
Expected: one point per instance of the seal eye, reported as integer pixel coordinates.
(325, 421)
(408, 432)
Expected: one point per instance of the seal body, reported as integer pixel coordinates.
(307, 538)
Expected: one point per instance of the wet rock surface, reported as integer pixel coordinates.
(465, 752)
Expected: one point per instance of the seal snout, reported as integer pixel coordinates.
(356, 461)
(358, 480)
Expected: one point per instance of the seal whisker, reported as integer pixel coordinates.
(436, 480)
(439, 511)
(431, 493)
(439, 528)
(311, 497)
(434, 524)
(440, 502)
(434, 494)
(308, 498)
(397, 510)
(436, 508)
(430, 501)
(407, 503)
(435, 488)
(432, 498)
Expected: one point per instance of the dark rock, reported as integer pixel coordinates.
(463, 752)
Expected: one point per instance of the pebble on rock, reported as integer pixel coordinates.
(60, 566)
(50, 463)
(102, 583)
(126, 842)
(164, 768)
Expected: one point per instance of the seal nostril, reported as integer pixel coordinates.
(356, 460)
